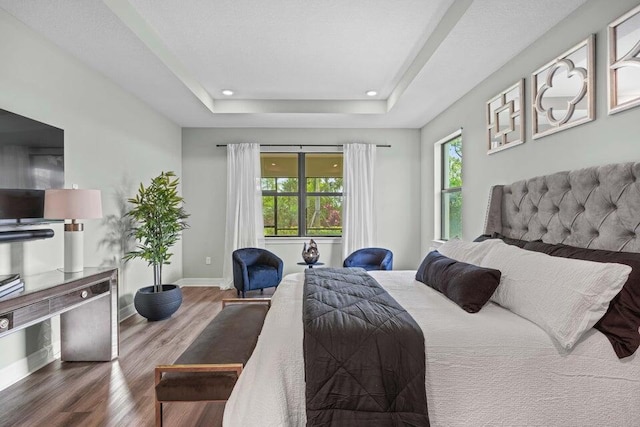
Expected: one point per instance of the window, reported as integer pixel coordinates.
(449, 187)
(302, 194)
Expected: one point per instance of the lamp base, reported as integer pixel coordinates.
(73, 251)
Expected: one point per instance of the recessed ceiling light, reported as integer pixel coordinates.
(335, 165)
(227, 92)
(273, 164)
(371, 93)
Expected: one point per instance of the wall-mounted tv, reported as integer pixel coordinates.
(31, 161)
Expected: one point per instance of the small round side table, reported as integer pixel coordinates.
(311, 265)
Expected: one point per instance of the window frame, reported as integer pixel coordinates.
(440, 191)
(302, 195)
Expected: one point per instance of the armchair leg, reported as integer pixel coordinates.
(238, 292)
(242, 294)
(261, 291)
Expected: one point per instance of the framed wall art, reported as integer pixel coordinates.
(505, 127)
(562, 92)
(624, 62)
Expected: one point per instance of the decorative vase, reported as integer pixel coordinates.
(310, 254)
(158, 305)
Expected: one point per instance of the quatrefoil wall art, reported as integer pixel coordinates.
(562, 92)
(624, 62)
(505, 127)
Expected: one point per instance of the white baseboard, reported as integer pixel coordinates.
(18, 370)
(201, 281)
(126, 312)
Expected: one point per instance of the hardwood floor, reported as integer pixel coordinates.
(120, 393)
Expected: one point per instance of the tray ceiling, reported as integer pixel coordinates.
(292, 63)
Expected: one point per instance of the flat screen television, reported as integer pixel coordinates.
(31, 161)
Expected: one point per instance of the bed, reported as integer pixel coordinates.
(492, 367)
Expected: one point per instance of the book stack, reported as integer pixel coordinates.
(10, 284)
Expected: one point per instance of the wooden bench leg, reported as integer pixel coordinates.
(157, 376)
(158, 414)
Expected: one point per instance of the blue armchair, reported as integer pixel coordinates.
(370, 259)
(255, 268)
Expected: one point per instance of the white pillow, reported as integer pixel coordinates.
(565, 297)
(469, 252)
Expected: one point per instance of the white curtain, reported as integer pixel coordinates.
(245, 226)
(358, 208)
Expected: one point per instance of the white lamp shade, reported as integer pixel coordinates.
(72, 204)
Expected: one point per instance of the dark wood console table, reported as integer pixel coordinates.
(87, 303)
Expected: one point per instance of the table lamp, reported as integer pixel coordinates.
(72, 204)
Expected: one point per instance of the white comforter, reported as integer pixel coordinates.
(488, 368)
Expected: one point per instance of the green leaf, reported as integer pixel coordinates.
(158, 218)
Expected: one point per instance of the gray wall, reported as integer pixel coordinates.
(608, 139)
(112, 142)
(204, 166)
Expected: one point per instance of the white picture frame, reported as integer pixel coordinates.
(562, 91)
(505, 118)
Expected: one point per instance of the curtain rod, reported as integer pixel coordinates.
(306, 145)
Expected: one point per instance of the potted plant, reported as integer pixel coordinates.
(158, 219)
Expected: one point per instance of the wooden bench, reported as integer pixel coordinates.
(209, 368)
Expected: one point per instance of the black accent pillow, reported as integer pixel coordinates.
(621, 322)
(467, 285)
(508, 240)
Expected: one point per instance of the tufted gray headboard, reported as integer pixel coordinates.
(597, 207)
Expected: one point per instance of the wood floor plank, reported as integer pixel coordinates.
(120, 393)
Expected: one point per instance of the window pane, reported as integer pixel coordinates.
(268, 184)
(268, 213)
(452, 215)
(286, 221)
(323, 172)
(324, 216)
(324, 185)
(287, 185)
(279, 171)
(318, 165)
(452, 163)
